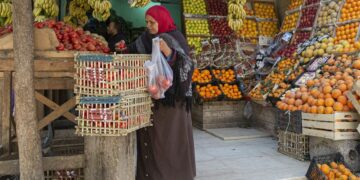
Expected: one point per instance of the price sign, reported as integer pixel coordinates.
(287, 37)
(264, 41)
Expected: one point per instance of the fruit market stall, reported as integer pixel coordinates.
(56, 43)
(310, 83)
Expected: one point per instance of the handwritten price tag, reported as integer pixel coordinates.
(263, 40)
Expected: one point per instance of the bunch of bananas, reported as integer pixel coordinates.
(101, 9)
(77, 12)
(138, 3)
(45, 9)
(5, 13)
(236, 14)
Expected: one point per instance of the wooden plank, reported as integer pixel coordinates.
(318, 125)
(9, 54)
(42, 65)
(57, 113)
(346, 125)
(331, 135)
(356, 87)
(346, 136)
(331, 117)
(1, 75)
(6, 113)
(330, 126)
(318, 133)
(353, 101)
(11, 167)
(54, 74)
(53, 106)
(54, 83)
(55, 54)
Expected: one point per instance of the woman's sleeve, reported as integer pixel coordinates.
(131, 48)
(183, 68)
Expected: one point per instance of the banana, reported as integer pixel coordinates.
(1, 9)
(236, 14)
(37, 11)
(45, 9)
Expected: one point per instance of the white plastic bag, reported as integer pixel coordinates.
(160, 74)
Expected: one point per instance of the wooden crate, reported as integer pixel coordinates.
(353, 101)
(219, 114)
(337, 126)
(294, 145)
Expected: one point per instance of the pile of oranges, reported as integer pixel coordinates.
(337, 171)
(265, 10)
(268, 28)
(226, 76)
(280, 90)
(290, 22)
(275, 78)
(295, 4)
(257, 93)
(208, 92)
(249, 29)
(202, 77)
(326, 94)
(286, 64)
(350, 10)
(347, 32)
(249, 12)
(231, 91)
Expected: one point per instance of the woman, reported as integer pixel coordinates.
(166, 150)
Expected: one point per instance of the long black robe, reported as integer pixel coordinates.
(166, 150)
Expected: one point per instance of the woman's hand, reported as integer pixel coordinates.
(164, 48)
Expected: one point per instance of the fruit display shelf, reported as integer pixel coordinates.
(329, 13)
(265, 9)
(308, 17)
(291, 21)
(349, 11)
(295, 5)
(217, 7)
(197, 26)
(194, 7)
(267, 28)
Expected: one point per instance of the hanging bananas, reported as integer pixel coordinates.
(5, 13)
(101, 8)
(77, 13)
(236, 14)
(45, 9)
(138, 3)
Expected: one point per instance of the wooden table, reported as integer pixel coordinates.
(53, 71)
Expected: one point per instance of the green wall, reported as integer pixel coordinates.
(175, 10)
(137, 15)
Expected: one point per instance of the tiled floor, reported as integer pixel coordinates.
(249, 159)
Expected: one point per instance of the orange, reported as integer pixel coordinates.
(336, 93)
(329, 102)
(342, 99)
(338, 106)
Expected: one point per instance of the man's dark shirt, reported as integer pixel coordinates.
(115, 39)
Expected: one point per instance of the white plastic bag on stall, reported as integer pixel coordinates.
(160, 74)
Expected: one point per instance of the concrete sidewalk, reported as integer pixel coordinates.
(248, 159)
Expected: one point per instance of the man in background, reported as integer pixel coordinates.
(115, 35)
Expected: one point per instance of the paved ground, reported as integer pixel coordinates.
(249, 159)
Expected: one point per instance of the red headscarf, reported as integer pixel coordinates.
(163, 18)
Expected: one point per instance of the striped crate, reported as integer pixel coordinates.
(110, 75)
(113, 116)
